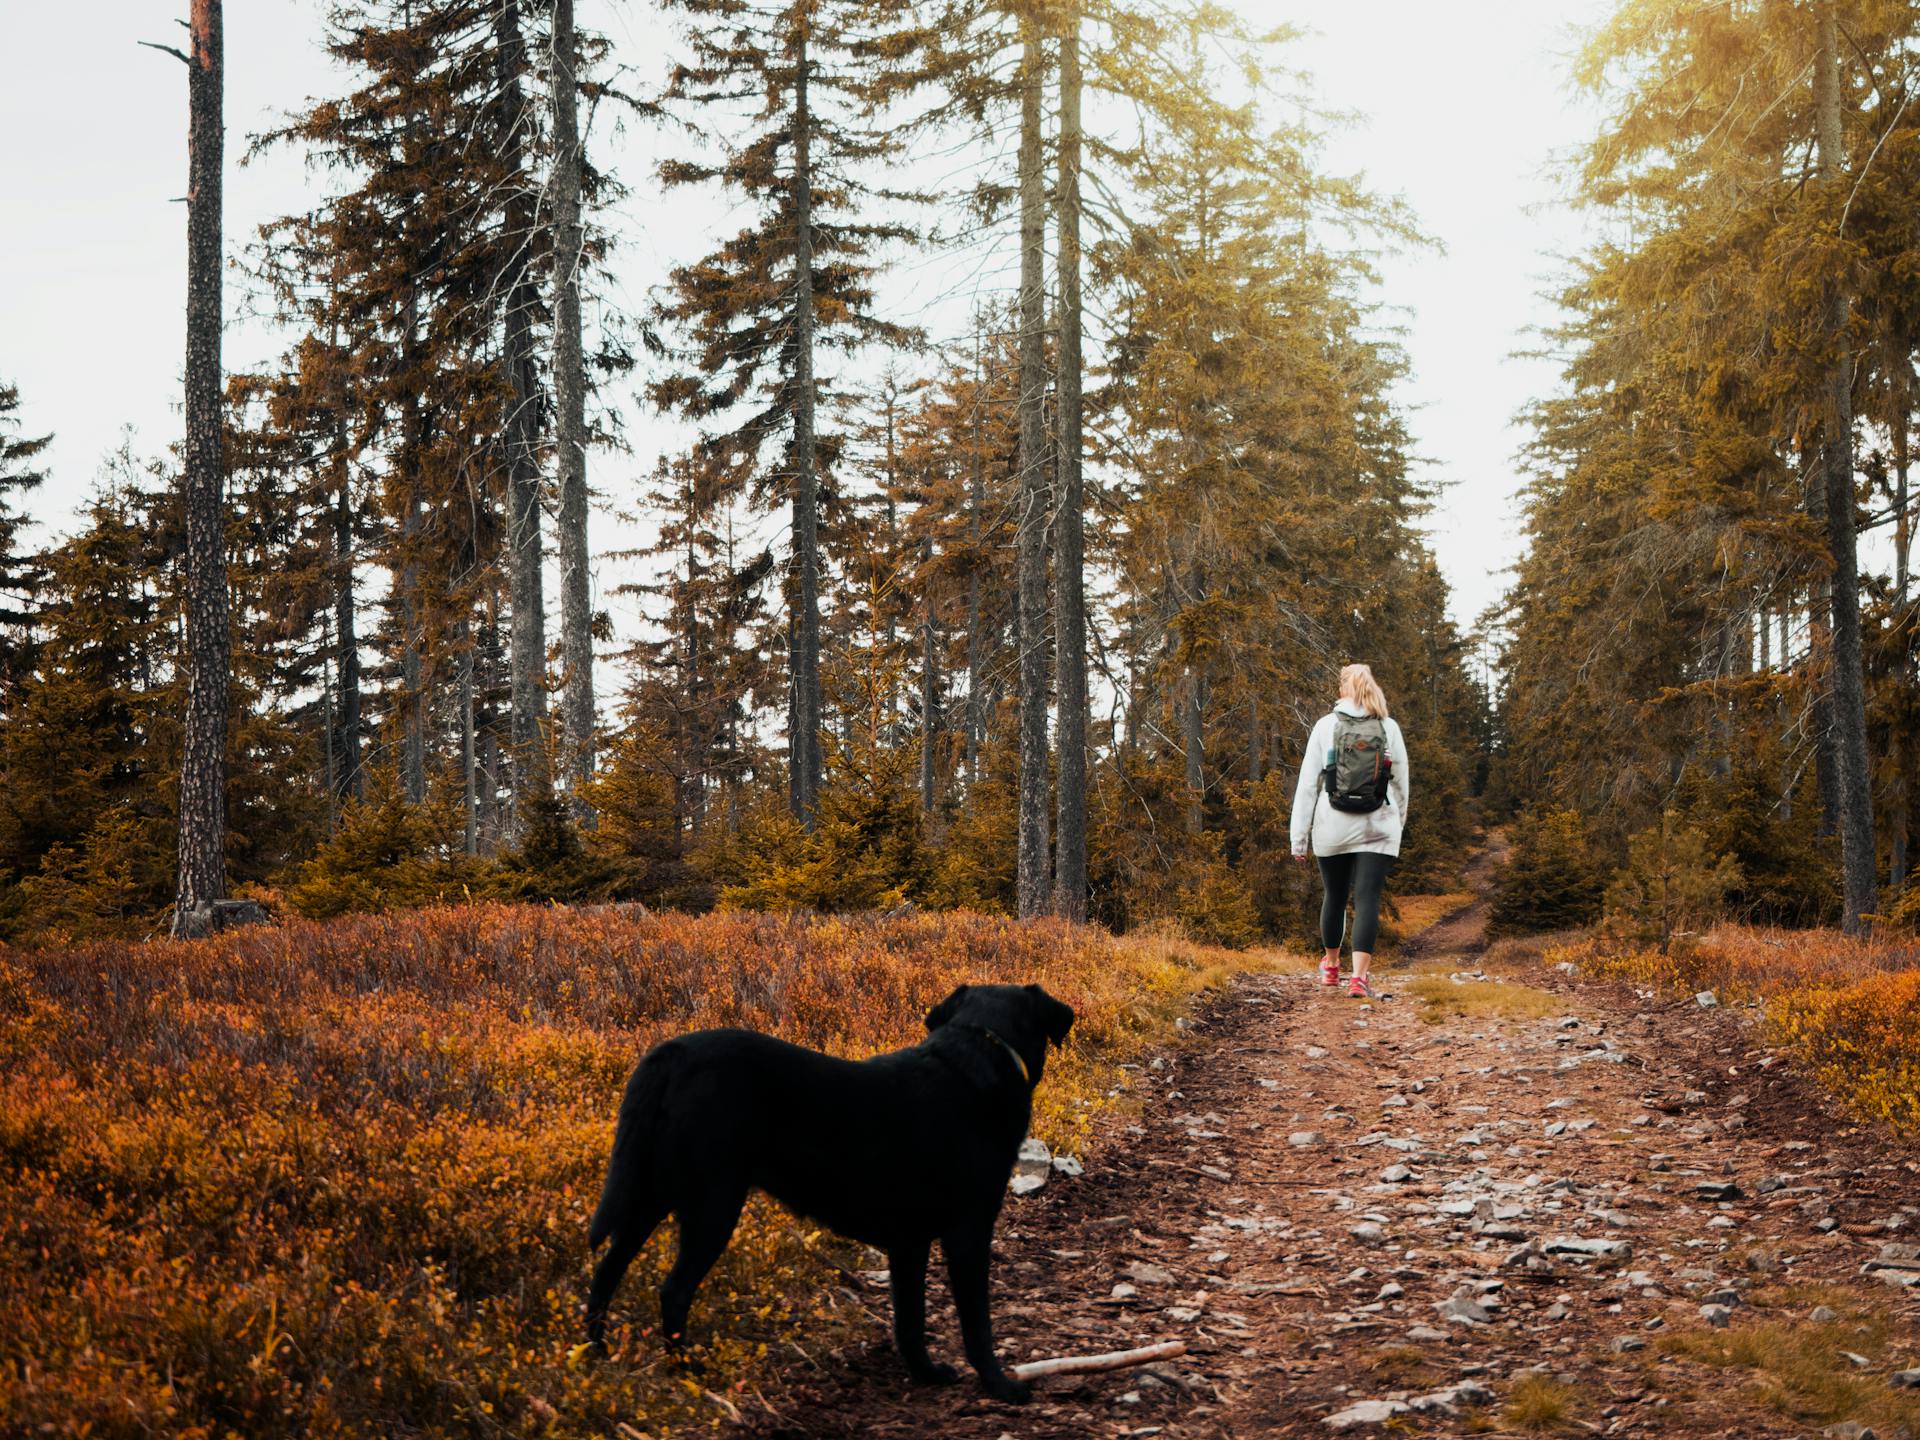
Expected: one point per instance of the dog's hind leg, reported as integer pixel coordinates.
(706, 1225)
(907, 1272)
(629, 1237)
(969, 1255)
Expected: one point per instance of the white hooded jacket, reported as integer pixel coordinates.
(1336, 832)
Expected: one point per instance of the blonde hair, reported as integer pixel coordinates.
(1358, 685)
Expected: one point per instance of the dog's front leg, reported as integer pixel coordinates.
(907, 1272)
(968, 1257)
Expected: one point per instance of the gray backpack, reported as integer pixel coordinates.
(1359, 769)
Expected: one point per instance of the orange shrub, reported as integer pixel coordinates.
(334, 1178)
(1849, 1007)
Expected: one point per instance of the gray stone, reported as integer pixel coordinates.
(1593, 1248)
(1905, 1379)
(1464, 1309)
(1368, 1233)
(1367, 1412)
(1068, 1165)
(1396, 1174)
(1300, 1139)
(1395, 1102)
(1824, 1315)
(1031, 1169)
(1623, 1343)
(1426, 1335)
(1448, 1401)
(1718, 1316)
(212, 916)
(1706, 999)
(1850, 1430)
(1145, 1272)
(1716, 1190)
(1391, 1291)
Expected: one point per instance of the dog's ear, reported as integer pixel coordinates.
(1056, 1017)
(943, 1012)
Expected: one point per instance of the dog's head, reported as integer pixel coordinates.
(1025, 1016)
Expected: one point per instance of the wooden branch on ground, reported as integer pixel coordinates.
(1093, 1364)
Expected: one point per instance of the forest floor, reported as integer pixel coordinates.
(1366, 1216)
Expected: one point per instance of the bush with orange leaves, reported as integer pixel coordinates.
(333, 1178)
(1848, 1007)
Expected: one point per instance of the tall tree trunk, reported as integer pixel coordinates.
(469, 742)
(329, 734)
(413, 679)
(531, 772)
(1192, 713)
(1033, 862)
(1069, 546)
(976, 506)
(1853, 778)
(570, 420)
(203, 761)
(804, 741)
(1903, 624)
(929, 692)
(1256, 750)
(348, 779)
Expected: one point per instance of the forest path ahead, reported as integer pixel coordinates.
(1352, 1207)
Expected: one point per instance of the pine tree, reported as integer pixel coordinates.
(18, 572)
(203, 771)
(420, 276)
(756, 313)
(1069, 569)
(1034, 861)
(570, 414)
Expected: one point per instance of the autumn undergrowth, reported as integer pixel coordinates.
(1848, 1008)
(1809, 1371)
(334, 1177)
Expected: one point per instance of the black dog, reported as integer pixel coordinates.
(897, 1151)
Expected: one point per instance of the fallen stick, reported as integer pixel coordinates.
(1093, 1364)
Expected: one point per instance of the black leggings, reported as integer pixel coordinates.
(1362, 875)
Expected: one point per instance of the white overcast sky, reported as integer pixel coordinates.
(1461, 109)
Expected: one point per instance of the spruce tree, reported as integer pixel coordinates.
(754, 317)
(18, 572)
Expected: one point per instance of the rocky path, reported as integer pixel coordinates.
(1498, 1202)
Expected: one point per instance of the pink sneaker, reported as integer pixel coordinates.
(1329, 972)
(1359, 989)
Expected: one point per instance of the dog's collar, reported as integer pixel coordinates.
(1026, 1075)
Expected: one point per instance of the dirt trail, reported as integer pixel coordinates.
(1344, 1207)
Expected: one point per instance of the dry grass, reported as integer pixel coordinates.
(1539, 1403)
(333, 1178)
(1401, 1367)
(1518, 951)
(1441, 999)
(1797, 1369)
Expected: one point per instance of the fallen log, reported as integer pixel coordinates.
(1093, 1364)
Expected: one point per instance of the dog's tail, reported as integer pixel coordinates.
(630, 1168)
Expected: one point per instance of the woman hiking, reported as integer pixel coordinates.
(1350, 809)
